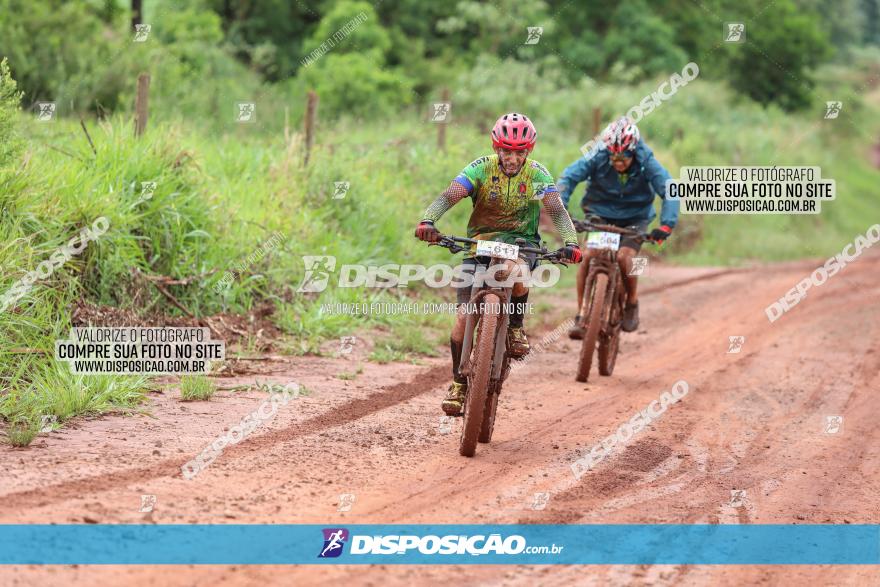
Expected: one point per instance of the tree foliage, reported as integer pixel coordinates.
(775, 63)
(80, 53)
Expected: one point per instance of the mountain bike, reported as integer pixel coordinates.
(485, 360)
(605, 294)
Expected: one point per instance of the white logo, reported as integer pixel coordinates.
(141, 32)
(735, 343)
(335, 542)
(736, 32)
(48, 422)
(639, 264)
(74, 246)
(591, 147)
(474, 545)
(823, 273)
(445, 424)
(45, 111)
(341, 189)
(318, 268)
(737, 498)
(246, 112)
(832, 109)
(627, 431)
(649, 103)
(664, 92)
(346, 343)
(440, 111)
(278, 395)
(148, 502)
(540, 501)
(147, 189)
(346, 500)
(534, 35)
(833, 424)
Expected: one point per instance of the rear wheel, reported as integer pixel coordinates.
(594, 324)
(481, 369)
(488, 418)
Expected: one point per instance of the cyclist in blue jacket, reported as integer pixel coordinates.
(623, 178)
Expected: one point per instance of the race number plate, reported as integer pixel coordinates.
(603, 240)
(496, 249)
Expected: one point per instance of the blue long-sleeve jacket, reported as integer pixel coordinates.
(606, 196)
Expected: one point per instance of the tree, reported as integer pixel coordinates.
(351, 27)
(782, 46)
(870, 11)
(641, 42)
(267, 34)
(10, 140)
(347, 63)
(497, 28)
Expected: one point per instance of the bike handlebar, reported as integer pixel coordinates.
(587, 226)
(452, 243)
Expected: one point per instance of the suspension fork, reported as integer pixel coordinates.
(468, 343)
(598, 264)
(501, 333)
(504, 294)
(615, 278)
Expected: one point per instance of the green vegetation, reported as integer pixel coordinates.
(196, 388)
(350, 375)
(21, 432)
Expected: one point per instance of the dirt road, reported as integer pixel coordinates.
(753, 421)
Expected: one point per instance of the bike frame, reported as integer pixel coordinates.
(605, 262)
(500, 359)
(488, 370)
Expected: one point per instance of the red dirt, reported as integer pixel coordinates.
(752, 420)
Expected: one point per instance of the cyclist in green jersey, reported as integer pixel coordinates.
(507, 190)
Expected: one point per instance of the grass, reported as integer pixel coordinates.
(405, 341)
(22, 432)
(196, 388)
(351, 375)
(271, 388)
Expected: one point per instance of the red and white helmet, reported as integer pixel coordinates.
(515, 132)
(621, 135)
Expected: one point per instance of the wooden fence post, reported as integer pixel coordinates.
(597, 120)
(311, 110)
(136, 14)
(141, 105)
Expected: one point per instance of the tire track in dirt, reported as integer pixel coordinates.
(336, 416)
(771, 389)
(738, 447)
(333, 417)
(612, 480)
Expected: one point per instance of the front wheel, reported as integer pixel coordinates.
(594, 324)
(488, 425)
(481, 370)
(609, 341)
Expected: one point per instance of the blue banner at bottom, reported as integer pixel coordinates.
(440, 544)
